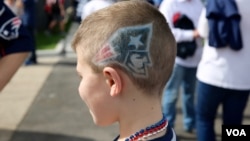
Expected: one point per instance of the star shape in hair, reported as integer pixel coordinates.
(136, 41)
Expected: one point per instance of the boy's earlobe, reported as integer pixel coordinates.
(113, 79)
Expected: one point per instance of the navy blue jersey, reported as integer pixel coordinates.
(14, 37)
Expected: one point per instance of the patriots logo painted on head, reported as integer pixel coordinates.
(10, 29)
(129, 47)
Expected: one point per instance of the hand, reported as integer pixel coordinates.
(196, 34)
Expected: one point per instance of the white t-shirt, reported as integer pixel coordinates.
(94, 5)
(80, 5)
(225, 67)
(191, 9)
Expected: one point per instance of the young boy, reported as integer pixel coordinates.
(125, 55)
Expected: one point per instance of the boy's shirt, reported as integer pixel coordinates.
(13, 36)
(169, 136)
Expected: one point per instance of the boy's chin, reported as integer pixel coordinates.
(101, 123)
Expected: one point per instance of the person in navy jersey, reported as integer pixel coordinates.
(15, 44)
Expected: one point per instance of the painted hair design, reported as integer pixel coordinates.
(129, 47)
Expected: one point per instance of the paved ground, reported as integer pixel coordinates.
(41, 103)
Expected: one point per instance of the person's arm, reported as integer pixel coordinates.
(203, 24)
(9, 65)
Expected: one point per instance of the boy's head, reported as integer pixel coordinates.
(130, 36)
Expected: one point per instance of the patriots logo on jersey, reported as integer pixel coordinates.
(129, 47)
(10, 29)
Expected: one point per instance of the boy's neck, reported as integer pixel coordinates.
(141, 111)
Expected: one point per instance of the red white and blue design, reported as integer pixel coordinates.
(128, 47)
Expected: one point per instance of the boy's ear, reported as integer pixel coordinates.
(113, 79)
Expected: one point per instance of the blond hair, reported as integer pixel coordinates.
(97, 29)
